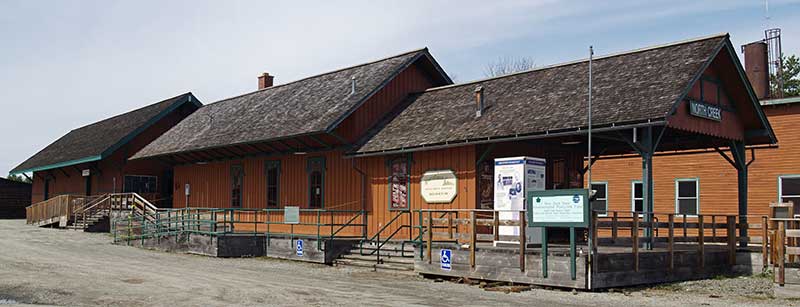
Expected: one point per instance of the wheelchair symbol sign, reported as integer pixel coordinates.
(300, 248)
(445, 258)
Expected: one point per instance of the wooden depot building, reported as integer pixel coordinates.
(93, 159)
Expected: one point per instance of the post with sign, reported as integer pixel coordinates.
(559, 208)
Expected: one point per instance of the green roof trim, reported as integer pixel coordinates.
(188, 98)
(779, 101)
(149, 123)
(57, 165)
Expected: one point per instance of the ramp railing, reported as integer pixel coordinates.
(56, 209)
(312, 223)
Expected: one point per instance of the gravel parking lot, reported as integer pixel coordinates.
(59, 267)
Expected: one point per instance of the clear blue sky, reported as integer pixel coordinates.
(64, 64)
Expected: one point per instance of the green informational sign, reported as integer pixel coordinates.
(291, 215)
(558, 208)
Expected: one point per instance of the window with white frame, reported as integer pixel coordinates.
(637, 197)
(600, 201)
(687, 196)
(789, 190)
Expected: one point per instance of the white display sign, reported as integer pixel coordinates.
(558, 209)
(86, 173)
(514, 177)
(291, 215)
(439, 186)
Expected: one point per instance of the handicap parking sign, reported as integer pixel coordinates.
(445, 258)
(299, 247)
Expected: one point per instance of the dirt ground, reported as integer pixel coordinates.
(60, 267)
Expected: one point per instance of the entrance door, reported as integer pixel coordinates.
(88, 185)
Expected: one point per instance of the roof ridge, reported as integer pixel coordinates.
(322, 74)
(610, 55)
(131, 111)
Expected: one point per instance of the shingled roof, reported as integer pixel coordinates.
(310, 105)
(98, 140)
(629, 87)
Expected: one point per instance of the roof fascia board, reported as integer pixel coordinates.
(750, 92)
(570, 132)
(186, 99)
(696, 77)
(57, 165)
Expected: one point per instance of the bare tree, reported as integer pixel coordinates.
(508, 65)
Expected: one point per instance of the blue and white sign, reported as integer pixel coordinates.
(299, 248)
(446, 258)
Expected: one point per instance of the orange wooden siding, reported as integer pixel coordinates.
(717, 178)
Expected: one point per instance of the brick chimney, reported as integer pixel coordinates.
(265, 81)
(756, 67)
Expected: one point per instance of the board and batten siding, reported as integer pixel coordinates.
(716, 177)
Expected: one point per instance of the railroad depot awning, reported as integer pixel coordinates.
(97, 141)
(689, 94)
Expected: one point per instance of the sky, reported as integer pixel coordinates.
(66, 64)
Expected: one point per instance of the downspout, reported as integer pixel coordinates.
(363, 198)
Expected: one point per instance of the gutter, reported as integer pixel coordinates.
(489, 140)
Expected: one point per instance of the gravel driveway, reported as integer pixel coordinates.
(60, 267)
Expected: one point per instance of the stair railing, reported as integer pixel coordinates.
(93, 206)
(380, 242)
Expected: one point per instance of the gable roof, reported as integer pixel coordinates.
(638, 86)
(311, 105)
(98, 140)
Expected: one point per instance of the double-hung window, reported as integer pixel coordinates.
(789, 190)
(272, 171)
(637, 197)
(237, 182)
(600, 201)
(687, 196)
(316, 182)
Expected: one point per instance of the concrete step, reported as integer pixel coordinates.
(374, 259)
(395, 267)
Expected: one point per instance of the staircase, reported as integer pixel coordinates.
(391, 256)
(89, 222)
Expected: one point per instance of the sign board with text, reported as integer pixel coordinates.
(558, 208)
(439, 186)
(291, 215)
(705, 110)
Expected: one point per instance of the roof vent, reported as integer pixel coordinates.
(353, 85)
(479, 103)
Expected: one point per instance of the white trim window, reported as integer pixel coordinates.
(687, 196)
(637, 196)
(600, 202)
(789, 190)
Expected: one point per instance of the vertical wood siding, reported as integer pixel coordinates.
(717, 178)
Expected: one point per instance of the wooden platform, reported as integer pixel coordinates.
(612, 267)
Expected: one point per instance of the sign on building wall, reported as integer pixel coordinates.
(86, 173)
(705, 110)
(439, 186)
(291, 215)
(559, 208)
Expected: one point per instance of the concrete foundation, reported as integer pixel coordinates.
(233, 245)
(609, 270)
